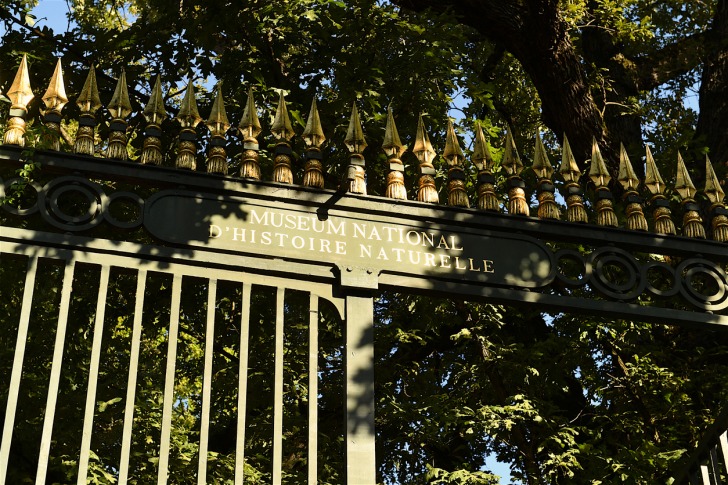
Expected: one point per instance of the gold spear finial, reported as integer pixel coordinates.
(20, 94)
(55, 96)
(718, 212)
(393, 148)
(661, 212)
(653, 180)
(598, 172)
(571, 174)
(629, 181)
(313, 137)
(547, 207)
(281, 128)
(426, 191)
(120, 108)
(188, 117)
(692, 222)
(250, 129)
(511, 160)
(513, 166)
(54, 99)
(355, 143)
(483, 160)
(155, 114)
(89, 102)
(354, 140)
(218, 125)
(456, 193)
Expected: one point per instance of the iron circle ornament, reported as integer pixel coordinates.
(630, 284)
(668, 275)
(54, 212)
(578, 258)
(18, 211)
(692, 271)
(137, 201)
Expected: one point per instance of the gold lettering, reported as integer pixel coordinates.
(359, 230)
(273, 221)
(453, 243)
(238, 231)
(302, 223)
(375, 234)
(265, 238)
(417, 240)
(315, 229)
(298, 242)
(389, 230)
(398, 252)
(252, 236)
(444, 261)
(365, 249)
(340, 247)
(383, 255)
(256, 219)
(290, 221)
(443, 242)
(412, 260)
(325, 245)
(215, 231)
(426, 239)
(336, 230)
(488, 266)
(457, 264)
(280, 238)
(429, 259)
(471, 265)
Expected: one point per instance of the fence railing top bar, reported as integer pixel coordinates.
(371, 206)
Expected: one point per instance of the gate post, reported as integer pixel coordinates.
(359, 372)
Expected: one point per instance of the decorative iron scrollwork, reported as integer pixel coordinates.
(72, 203)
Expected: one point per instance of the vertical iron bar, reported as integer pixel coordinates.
(313, 320)
(715, 464)
(50, 410)
(169, 380)
(17, 371)
(359, 361)
(93, 376)
(207, 383)
(278, 392)
(242, 386)
(136, 336)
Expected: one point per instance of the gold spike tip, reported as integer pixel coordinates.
(683, 183)
(569, 169)
(250, 124)
(713, 190)
(653, 180)
(281, 128)
(541, 164)
(511, 160)
(598, 171)
(392, 145)
(354, 140)
(481, 154)
(218, 122)
(423, 148)
(188, 115)
(154, 111)
(55, 96)
(453, 154)
(88, 101)
(313, 134)
(627, 177)
(20, 92)
(120, 106)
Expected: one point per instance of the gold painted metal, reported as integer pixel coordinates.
(692, 222)
(628, 179)
(155, 115)
(89, 102)
(188, 117)
(426, 190)
(599, 175)
(250, 129)
(483, 160)
(394, 149)
(120, 108)
(661, 212)
(283, 131)
(513, 166)
(456, 194)
(218, 125)
(54, 99)
(718, 211)
(313, 136)
(20, 94)
(571, 174)
(355, 143)
(547, 207)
